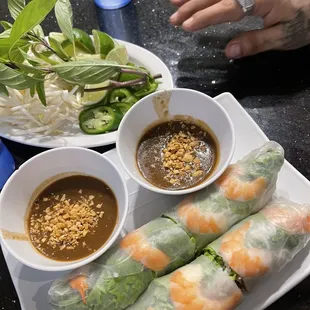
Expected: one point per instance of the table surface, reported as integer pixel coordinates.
(273, 87)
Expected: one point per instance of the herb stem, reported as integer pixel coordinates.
(116, 84)
(45, 43)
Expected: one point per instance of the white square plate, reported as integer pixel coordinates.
(32, 285)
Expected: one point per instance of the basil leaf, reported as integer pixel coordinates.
(3, 90)
(15, 7)
(15, 79)
(38, 31)
(5, 34)
(42, 56)
(64, 16)
(16, 56)
(30, 59)
(33, 90)
(30, 69)
(87, 72)
(5, 45)
(58, 48)
(6, 25)
(41, 92)
(32, 15)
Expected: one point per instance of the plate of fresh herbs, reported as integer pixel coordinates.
(68, 88)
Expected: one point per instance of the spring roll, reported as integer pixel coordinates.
(122, 274)
(243, 189)
(200, 285)
(264, 242)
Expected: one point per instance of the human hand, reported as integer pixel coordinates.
(286, 23)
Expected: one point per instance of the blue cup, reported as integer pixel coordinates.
(111, 4)
(120, 24)
(7, 164)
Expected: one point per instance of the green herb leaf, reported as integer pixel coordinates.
(5, 34)
(38, 31)
(64, 16)
(58, 48)
(15, 79)
(3, 90)
(5, 45)
(41, 92)
(6, 25)
(15, 7)
(32, 90)
(30, 69)
(87, 72)
(42, 56)
(16, 55)
(30, 59)
(32, 15)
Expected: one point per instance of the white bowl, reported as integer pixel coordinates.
(17, 193)
(182, 102)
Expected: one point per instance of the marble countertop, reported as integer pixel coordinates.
(273, 87)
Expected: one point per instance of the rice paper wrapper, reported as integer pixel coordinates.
(243, 189)
(122, 274)
(265, 242)
(198, 285)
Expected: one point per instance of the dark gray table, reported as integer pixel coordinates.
(273, 87)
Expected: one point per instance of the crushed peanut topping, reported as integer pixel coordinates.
(180, 159)
(63, 224)
(177, 154)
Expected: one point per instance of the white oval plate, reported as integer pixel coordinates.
(72, 135)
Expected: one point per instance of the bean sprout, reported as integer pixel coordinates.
(27, 115)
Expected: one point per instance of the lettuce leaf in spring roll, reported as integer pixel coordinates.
(264, 242)
(200, 285)
(243, 189)
(122, 274)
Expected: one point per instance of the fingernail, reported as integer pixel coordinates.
(234, 51)
(174, 17)
(188, 22)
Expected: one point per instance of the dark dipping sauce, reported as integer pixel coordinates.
(177, 154)
(72, 217)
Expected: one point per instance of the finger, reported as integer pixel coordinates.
(188, 9)
(179, 3)
(271, 19)
(254, 42)
(263, 7)
(276, 16)
(221, 12)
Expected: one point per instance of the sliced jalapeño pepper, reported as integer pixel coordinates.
(125, 76)
(122, 106)
(99, 119)
(146, 91)
(122, 95)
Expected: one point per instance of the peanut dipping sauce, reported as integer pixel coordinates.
(177, 154)
(72, 217)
